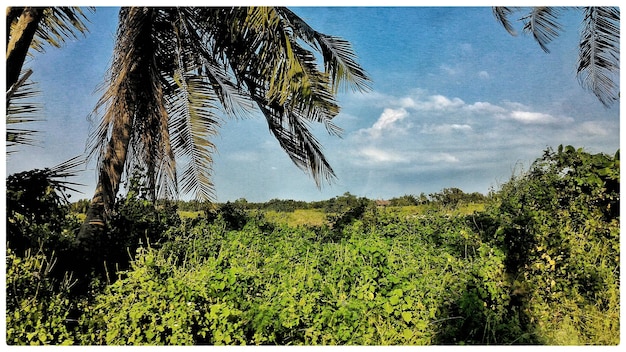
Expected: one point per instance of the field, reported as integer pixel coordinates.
(535, 263)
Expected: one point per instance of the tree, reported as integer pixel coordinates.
(598, 54)
(32, 28)
(177, 71)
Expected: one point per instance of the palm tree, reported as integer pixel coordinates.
(176, 72)
(32, 28)
(598, 55)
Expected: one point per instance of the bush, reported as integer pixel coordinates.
(380, 284)
(37, 212)
(39, 308)
(342, 211)
(559, 227)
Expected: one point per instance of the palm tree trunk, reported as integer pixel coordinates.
(123, 102)
(21, 37)
(110, 175)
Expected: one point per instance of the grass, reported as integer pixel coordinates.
(189, 214)
(461, 209)
(312, 217)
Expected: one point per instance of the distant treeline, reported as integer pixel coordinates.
(447, 197)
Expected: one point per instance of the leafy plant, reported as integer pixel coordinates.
(38, 305)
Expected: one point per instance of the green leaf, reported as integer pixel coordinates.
(407, 316)
(407, 334)
(388, 308)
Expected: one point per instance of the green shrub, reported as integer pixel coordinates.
(380, 284)
(559, 225)
(38, 310)
(37, 212)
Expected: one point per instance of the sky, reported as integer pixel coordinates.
(456, 101)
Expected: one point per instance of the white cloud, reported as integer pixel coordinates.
(419, 135)
(438, 103)
(592, 129)
(387, 122)
(528, 117)
(485, 108)
(375, 155)
(443, 157)
(388, 118)
(445, 128)
(484, 75)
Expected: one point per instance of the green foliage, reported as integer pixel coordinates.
(234, 215)
(407, 200)
(559, 224)
(38, 306)
(387, 282)
(343, 210)
(136, 221)
(80, 206)
(540, 265)
(453, 197)
(37, 215)
(161, 302)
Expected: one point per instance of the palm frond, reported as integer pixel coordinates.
(177, 71)
(64, 170)
(59, 24)
(193, 122)
(13, 13)
(340, 60)
(21, 109)
(196, 47)
(542, 24)
(598, 61)
(287, 85)
(293, 135)
(301, 146)
(501, 14)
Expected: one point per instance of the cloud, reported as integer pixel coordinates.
(484, 75)
(529, 117)
(387, 122)
(445, 128)
(388, 118)
(593, 129)
(443, 157)
(374, 155)
(421, 135)
(481, 107)
(438, 103)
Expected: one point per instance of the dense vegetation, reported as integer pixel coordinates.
(537, 262)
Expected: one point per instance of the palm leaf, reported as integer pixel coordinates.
(501, 14)
(294, 137)
(542, 25)
(193, 122)
(64, 170)
(201, 63)
(339, 57)
(280, 76)
(59, 24)
(598, 62)
(21, 109)
(197, 46)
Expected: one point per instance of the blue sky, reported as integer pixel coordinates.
(455, 102)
